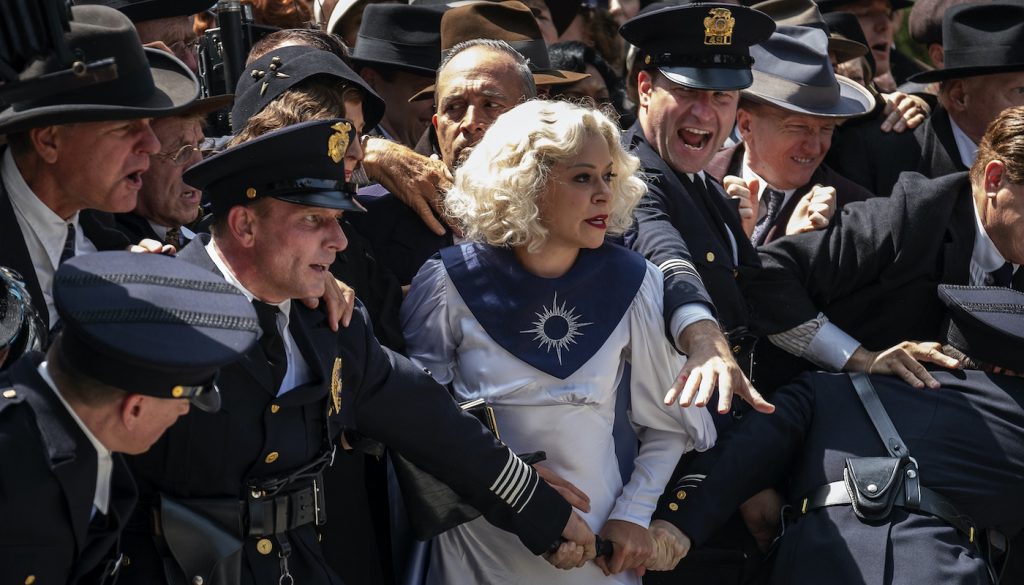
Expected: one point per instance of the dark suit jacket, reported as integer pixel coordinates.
(97, 226)
(674, 225)
(875, 269)
(382, 396)
(967, 437)
(48, 484)
(729, 161)
(875, 159)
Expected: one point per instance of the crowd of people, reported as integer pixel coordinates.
(515, 292)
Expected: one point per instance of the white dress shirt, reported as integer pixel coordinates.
(965, 147)
(44, 231)
(298, 372)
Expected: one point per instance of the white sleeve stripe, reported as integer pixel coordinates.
(677, 265)
(521, 487)
(513, 483)
(533, 488)
(508, 466)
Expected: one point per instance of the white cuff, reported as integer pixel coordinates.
(687, 315)
(831, 347)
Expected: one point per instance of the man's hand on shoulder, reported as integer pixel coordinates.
(418, 181)
(339, 302)
(904, 360)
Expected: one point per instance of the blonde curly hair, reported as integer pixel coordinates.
(496, 190)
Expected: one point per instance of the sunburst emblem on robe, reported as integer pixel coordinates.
(556, 328)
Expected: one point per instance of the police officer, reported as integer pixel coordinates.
(143, 336)
(966, 441)
(255, 468)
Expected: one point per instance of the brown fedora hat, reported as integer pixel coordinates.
(509, 21)
(149, 83)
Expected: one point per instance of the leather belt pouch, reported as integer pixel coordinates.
(200, 541)
(873, 483)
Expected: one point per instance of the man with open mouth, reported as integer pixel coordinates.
(82, 149)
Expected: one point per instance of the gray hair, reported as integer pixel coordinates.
(522, 63)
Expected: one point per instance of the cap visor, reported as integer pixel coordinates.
(712, 79)
(328, 199)
(208, 401)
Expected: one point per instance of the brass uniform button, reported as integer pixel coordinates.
(736, 349)
(250, 192)
(681, 495)
(177, 391)
(264, 546)
(674, 507)
(710, 256)
(12, 393)
(30, 580)
(271, 457)
(274, 408)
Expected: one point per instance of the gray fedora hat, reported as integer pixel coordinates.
(792, 72)
(149, 83)
(806, 13)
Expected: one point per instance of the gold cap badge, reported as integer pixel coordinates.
(337, 144)
(718, 27)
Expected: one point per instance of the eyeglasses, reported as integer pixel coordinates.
(184, 154)
(185, 47)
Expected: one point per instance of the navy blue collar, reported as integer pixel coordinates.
(554, 324)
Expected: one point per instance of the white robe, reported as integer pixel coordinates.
(571, 420)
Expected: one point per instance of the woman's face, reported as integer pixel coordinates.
(577, 200)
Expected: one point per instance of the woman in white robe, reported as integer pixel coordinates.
(538, 316)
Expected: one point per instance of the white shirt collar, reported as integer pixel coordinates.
(966, 147)
(50, 229)
(229, 275)
(985, 255)
(104, 460)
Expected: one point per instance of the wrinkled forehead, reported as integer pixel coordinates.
(476, 70)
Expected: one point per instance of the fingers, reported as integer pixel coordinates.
(576, 497)
(633, 545)
(348, 306)
(670, 546)
(576, 530)
(932, 352)
(676, 390)
(423, 209)
(753, 397)
(568, 556)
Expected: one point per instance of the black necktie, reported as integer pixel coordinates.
(68, 251)
(1018, 280)
(1002, 276)
(271, 341)
(764, 225)
(173, 237)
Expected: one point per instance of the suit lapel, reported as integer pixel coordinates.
(101, 230)
(959, 244)
(316, 343)
(14, 254)
(939, 154)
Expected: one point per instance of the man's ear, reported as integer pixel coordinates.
(995, 172)
(644, 87)
(131, 410)
(241, 225)
(743, 122)
(46, 141)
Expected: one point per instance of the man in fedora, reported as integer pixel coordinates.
(962, 450)
(82, 149)
(786, 118)
(398, 52)
(983, 74)
(163, 21)
(258, 465)
(402, 241)
(143, 336)
(167, 206)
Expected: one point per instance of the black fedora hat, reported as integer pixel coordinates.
(509, 21)
(263, 80)
(806, 13)
(980, 39)
(302, 163)
(846, 25)
(703, 46)
(143, 10)
(400, 35)
(149, 83)
(792, 72)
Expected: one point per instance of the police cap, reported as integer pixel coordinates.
(703, 46)
(151, 324)
(302, 163)
(986, 323)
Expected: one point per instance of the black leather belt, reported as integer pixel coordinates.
(268, 515)
(933, 503)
